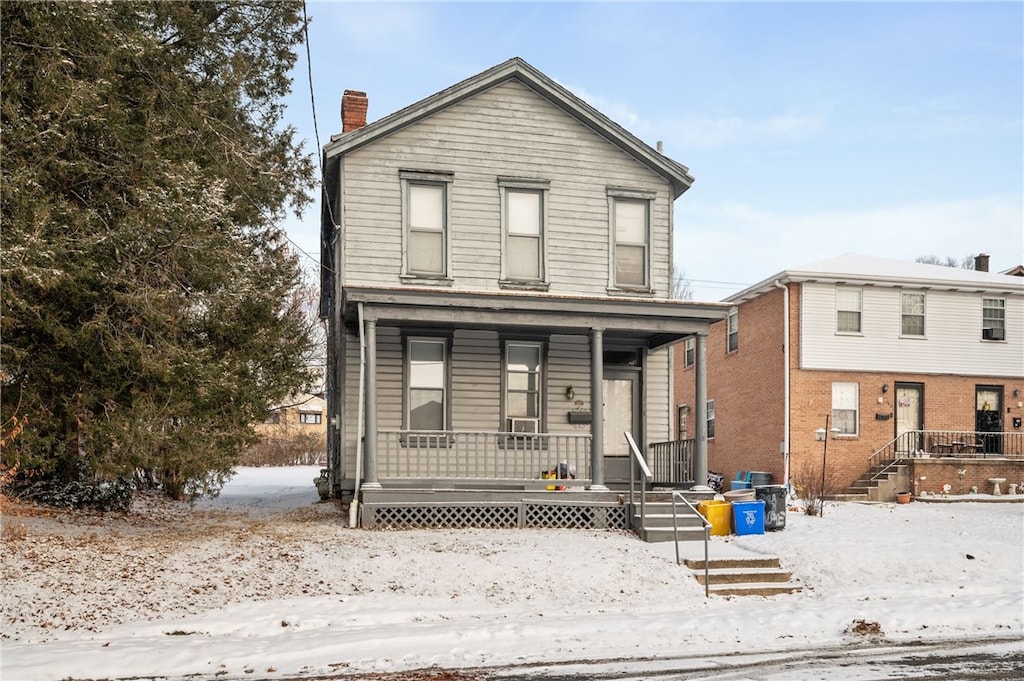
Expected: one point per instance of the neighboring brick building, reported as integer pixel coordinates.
(878, 347)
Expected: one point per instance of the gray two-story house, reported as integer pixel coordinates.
(497, 265)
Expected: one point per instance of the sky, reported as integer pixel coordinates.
(813, 129)
(264, 582)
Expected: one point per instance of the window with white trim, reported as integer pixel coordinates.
(427, 383)
(710, 422)
(523, 387)
(310, 417)
(911, 313)
(846, 407)
(425, 199)
(631, 237)
(848, 309)
(689, 351)
(993, 319)
(732, 337)
(524, 227)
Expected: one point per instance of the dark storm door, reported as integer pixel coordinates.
(988, 417)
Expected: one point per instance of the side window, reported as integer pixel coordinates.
(681, 414)
(732, 341)
(711, 419)
(523, 387)
(427, 384)
(630, 238)
(848, 309)
(993, 319)
(310, 418)
(524, 227)
(912, 314)
(425, 211)
(689, 351)
(845, 407)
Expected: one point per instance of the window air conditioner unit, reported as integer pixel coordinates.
(993, 334)
(525, 425)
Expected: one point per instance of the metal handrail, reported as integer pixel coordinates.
(707, 530)
(638, 458)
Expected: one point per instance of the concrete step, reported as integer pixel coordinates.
(660, 520)
(859, 496)
(662, 534)
(744, 576)
(754, 589)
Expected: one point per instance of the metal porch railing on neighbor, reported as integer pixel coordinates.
(484, 455)
(939, 443)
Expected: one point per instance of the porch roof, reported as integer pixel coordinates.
(650, 322)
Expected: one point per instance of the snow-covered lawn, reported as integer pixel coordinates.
(265, 582)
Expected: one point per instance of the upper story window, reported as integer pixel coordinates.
(845, 407)
(912, 314)
(425, 211)
(426, 384)
(993, 318)
(848, 309)
(631, 238)
(689, 351)
(524, 227)
(732, 337)
(523, 365)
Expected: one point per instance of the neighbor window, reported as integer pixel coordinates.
(993, 318)
(732, 339)
(682, 413)
(425, 201)
(522, 387)
(848, 309)
(523, 222)
(309, 417)
(427, 383)
(710, 419)
(845, 407)
(912, 311)
(631, 234)
(689, 351)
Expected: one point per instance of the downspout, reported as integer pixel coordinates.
(785, 380)
(353, 508)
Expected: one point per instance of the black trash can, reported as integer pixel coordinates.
(774, 498)
(760, 478)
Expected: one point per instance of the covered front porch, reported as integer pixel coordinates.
(529, 395)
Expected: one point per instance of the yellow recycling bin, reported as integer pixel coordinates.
(718, 514)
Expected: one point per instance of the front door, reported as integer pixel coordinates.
(909, 418)
(621, 415)
(988, 417)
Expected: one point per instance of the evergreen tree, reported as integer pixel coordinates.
(148, 315)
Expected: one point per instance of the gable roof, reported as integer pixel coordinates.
(517, 69)
(867, 270)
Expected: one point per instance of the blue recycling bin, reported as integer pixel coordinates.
(748, 517)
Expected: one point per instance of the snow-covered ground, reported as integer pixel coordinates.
(264, 582)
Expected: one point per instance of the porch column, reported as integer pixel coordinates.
(597, 409)
(370, 478)
(700, 427)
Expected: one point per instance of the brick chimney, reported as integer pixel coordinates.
(981, 262)
(353, 110)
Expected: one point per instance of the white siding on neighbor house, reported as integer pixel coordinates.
(507, 131)
(952, 342)
(658, 396)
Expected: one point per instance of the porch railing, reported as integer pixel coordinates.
(671, 462)
(483, 455)
(959, 443)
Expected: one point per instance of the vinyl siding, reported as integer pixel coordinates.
(658, 397)
(507, 131)
(951, 345)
